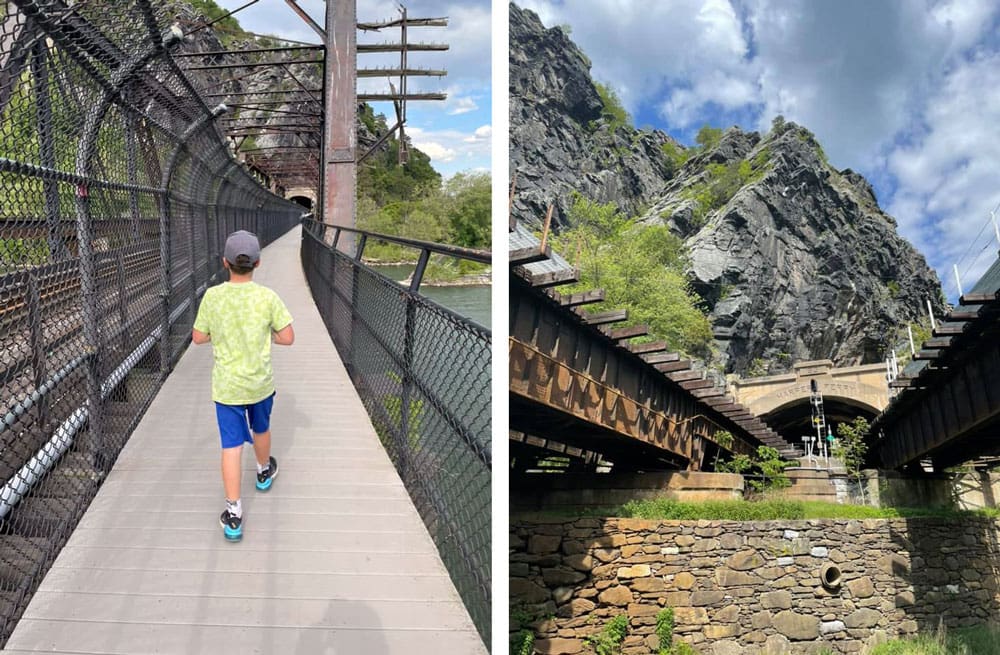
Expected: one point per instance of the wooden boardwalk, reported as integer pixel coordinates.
(334, 559)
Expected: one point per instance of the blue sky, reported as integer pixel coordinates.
(455, 133)
(907, 92)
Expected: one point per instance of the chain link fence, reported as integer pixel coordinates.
(423, 373)
(116, 194)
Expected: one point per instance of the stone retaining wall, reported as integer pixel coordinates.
(751, 587)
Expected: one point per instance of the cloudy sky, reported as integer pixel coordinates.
(455, 133)
(906, 92)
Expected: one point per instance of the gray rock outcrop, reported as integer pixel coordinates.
(559, 143)
(794, 259)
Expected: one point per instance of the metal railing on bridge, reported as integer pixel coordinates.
(423, 373)
(117, 194)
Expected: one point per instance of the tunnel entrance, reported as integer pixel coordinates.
(302, 200)
(794, 419)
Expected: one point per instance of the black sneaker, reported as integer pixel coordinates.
(232, 526)
(267, 476)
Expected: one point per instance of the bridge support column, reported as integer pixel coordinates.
(339, 121)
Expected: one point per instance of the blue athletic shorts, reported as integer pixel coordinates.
(237, 421)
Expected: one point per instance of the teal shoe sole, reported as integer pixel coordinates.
(230, 534)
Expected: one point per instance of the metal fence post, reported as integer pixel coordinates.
(46, 150)
(132, 168)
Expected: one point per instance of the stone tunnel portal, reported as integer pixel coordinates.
(783, 401)
(794, 419)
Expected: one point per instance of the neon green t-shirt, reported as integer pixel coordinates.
(240, 319)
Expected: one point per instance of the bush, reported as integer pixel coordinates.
(613, 112)
(522, 643)
(708, 137)
(674, 156)
(665, 635)
(609, 640)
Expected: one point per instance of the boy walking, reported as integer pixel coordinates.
(241, 319)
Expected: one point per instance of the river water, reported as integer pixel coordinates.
(471, 302)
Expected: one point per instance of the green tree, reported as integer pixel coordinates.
(469, 211)
(613, 112)
(708, 137)
(778, 125)
(641, 269)
(851, 447)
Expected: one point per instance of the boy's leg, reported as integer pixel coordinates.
(231, 472)
(259, 417)
(234, 432)
(262, 447)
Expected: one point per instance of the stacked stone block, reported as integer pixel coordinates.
(751, 588)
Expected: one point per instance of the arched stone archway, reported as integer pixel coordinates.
(305, 196)
(783, 400)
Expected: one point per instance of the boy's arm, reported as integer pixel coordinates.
(280, 316)
(285, 336)
(201, 331)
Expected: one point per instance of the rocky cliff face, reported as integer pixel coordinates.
(239, 80)
(794, 259)
(559, 144)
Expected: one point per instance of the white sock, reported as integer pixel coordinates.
(263, 467)
(235, 507)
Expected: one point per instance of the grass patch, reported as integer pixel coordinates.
(771, 509)
(980, 640)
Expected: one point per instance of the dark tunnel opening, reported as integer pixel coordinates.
(302, 200)
(793, 421)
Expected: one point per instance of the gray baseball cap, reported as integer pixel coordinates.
(242, 243)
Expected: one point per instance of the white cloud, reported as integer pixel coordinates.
(640, 48)
(948, 175)
(436, 151)
(483, 133)
(453, 146)
(905, 92)
(460, 105)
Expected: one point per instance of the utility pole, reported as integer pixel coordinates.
(819, 419)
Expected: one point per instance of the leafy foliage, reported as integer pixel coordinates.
(609, 640)
(675, 156)
(772, 468)
(228, 29)
(665, 635)
(665, 629)
(708, 137)
(729, 510)
(769, 466)
(771, 509)
(613, 112)
(851, 446)
(725, 439)
(641, 269)
(411, 201)
(721, 183)
(522, 643)
(977, 640)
